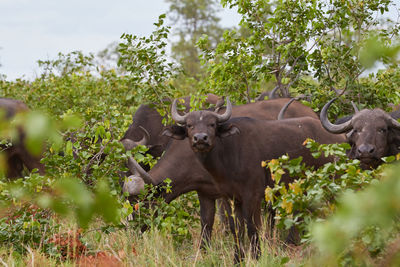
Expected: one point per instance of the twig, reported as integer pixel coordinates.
(96, 157)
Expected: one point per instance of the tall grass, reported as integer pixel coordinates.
(130, 247)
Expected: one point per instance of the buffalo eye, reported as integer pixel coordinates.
(212, 125)
(381, 130)
(190, 126)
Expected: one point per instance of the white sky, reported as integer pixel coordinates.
(38, 29)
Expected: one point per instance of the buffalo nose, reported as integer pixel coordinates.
(200, 137)
(366, 149)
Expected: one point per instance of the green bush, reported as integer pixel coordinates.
(365, 228)
(174, 218)
(312, 195)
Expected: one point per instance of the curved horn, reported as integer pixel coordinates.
(284, 108)
(175, 115)
(394, 122)
(227, 114)
(333, 128)
(354, 107)
(130, 144)
(136, 169)
(145, 139)
(272, 94)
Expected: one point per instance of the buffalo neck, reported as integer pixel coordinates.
(214, 160)
(186, 173)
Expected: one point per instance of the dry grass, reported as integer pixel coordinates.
(155, 248)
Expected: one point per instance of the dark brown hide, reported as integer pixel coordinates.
(232, 153)
(17, 156)
(148, 118)
(147, 123)
(180, 165)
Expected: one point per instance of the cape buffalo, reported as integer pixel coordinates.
(180, 165)
(192, 176)
(231, 150)
(16, 154)
(372, 134)
(147, 126)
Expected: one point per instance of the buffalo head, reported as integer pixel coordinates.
(372, 134)
(135, 182)
(201, 127)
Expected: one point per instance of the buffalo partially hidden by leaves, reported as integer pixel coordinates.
(372, 134)
(232, 150)
(16, 154)
(180, 165)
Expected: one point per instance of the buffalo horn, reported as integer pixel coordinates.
(354, 107)
(146, 137)
(136, 169)
(330, 127)
(281, 114)
(272, 94)
(394, 122)
(130, 144)
(227, 114)
(175, 115)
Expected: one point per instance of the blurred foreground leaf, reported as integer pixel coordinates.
(361, 217)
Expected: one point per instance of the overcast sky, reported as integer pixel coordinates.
(38, 29)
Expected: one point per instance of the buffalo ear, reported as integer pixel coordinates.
(227, 129)
(394, 141)
(176, 132)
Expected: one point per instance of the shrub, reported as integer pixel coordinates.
(312, 195)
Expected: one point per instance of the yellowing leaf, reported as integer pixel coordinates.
(273, 162)
(263, 164)
(269, 195)
(288, 206)
(278, 174)
(296, 188)
(283, 191)
(332, 207)
(126, 204)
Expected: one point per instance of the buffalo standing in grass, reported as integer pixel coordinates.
(231, 150)
(372, 134)
(16, 155)
(180, 165)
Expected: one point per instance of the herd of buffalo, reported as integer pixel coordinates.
(218, 152)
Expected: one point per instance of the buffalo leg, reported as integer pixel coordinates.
(207, 214)
(14, 167)
(251, 213)
(30, 161)
(236, 224)
(223, 213)
(293, 237)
